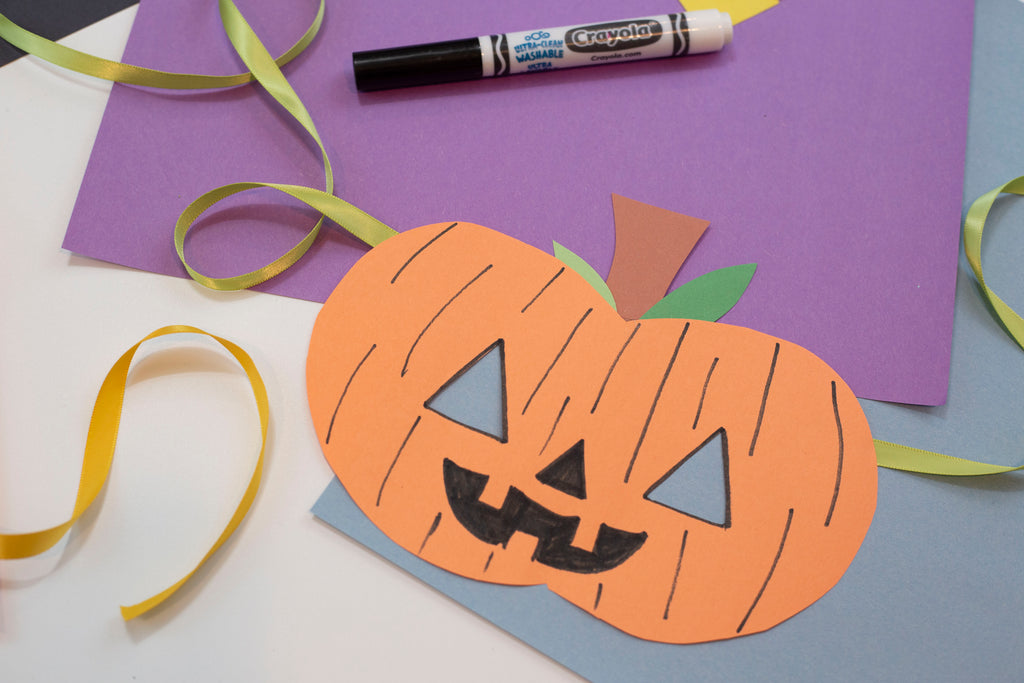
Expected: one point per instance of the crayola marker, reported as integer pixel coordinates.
(667, 35)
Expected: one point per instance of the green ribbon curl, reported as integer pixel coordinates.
(91, 65)
(267, 71)
(356, 221)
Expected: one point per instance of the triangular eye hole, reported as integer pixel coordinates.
(699, 485)
(566, 473)
(476, 397)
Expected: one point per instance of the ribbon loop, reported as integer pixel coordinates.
(974, 225)
(262, 68)
(99, 455)
(355, 221)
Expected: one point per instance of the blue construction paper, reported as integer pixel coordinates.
(914, 588)
(934, 593)
(476, 398)
(698, 486)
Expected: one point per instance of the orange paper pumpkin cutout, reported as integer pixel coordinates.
(596, 413)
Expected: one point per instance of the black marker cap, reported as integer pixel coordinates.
(401, 67)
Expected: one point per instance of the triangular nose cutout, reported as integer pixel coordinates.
(699, 485)
(566, 473)
(475, 397)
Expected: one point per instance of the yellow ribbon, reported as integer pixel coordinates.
(910, 459)
(266, 70)
(99, 454)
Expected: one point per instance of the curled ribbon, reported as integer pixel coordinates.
(910, 459)
(353, 219)
(262, 68)
(99, 454)
(91, 65)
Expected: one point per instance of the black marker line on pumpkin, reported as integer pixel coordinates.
(430, 532)
(597, 598)
(615, 362)
(554, 426)
(543, 289)
(330, 427)
(654, 403)
(703, 392)
(405, 366)
(487, 564)
(387, 475)
(421, 249)
(675, 577)
(764, 400)
(839, 463)
(557, 357)
(775, 562)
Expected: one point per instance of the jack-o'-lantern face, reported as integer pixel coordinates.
(682, 480)
(465, 400)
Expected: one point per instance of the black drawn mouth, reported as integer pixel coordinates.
(554, 532)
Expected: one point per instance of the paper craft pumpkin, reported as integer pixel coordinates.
(556, 480)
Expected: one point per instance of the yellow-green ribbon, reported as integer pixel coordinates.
(898, 457)
(266, 70)
(136, 75)
(99, 454)
(910, 459)
(353, 219)
(974, 224)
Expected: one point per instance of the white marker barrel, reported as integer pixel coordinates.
(565, 47)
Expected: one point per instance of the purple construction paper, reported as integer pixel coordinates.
(825, 144)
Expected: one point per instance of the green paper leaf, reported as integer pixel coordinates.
(585, 271)
(707, 297)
